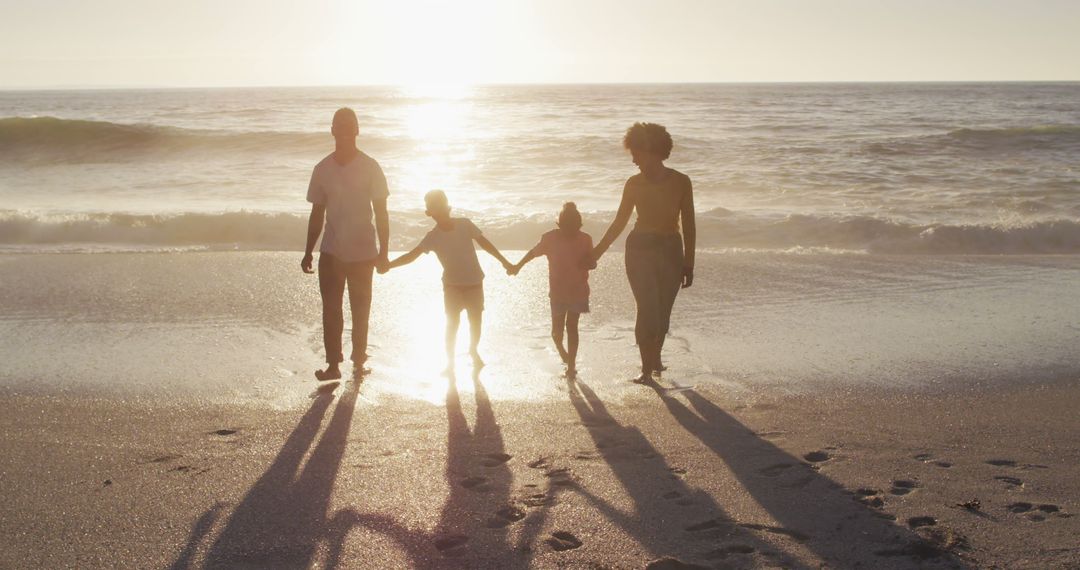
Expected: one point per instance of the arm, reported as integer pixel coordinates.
(529, 256)
(689, 236)
(314, 228)
(404, 259)
(490, 248)
(622, 216)
(382, 229)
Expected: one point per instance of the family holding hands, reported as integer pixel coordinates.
(348, 189)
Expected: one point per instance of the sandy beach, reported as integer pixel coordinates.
(884, 480)
(160, 413)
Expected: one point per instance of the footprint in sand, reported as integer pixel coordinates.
(189, 469)
(669, 563)
(677, 471)
(449, 545)
(562, 540)
(721, 553)
(505, 516)
(870, 497)
(478, 484)
(223, 432)
(538, 500)
(916, 522)
(1012, 483)
(587, 455)
(1013, 463)
(794, 534)
(495, 459)
(561, 477)
(928, 458)
(903, 487)
(775, 470)
(817, 456)
(1001, 462)
(165, 458)
(1036, 513)
(541, 463)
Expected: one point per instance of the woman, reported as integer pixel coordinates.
(658, 258)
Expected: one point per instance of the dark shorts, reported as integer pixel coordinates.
(467, 297)
(560, 307)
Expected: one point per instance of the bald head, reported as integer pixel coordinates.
(345, 125)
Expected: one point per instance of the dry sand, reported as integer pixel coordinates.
(882, 480)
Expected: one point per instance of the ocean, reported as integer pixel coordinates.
(852, 168)
(901, 235)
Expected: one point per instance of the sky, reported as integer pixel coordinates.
(189, 43)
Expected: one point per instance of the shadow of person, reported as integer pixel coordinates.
(281, 520)
(841, 531)
(473, 521)
(659, 494)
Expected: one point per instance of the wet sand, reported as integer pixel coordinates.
(885, 480)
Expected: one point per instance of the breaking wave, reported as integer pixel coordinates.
(69, 140)
(716, 229)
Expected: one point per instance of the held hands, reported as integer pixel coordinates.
(511, 269)
(687, 277)
(305, 264)
(588, 261)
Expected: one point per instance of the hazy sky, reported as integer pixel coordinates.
(45, 43)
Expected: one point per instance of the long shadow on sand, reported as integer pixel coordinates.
(839, 530)
(660, 496)
(472, 528)
(283, 517)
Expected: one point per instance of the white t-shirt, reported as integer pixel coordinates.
(347, 192)
(456, 252)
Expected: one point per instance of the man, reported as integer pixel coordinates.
(346, 188)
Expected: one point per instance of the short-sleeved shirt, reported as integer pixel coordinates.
(659, 203)
(456, 252)
(568, 281)
(347, 192)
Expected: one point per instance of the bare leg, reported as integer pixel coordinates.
(453, 320)
(476, 319)
(572, 341)
(558, 323)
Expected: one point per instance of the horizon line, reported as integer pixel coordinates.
(165, 87)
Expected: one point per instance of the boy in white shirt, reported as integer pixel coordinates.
(463, 280)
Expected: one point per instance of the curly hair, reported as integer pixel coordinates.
(649, 137)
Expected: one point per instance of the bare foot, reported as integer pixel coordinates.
(645, 378)
(331, 373)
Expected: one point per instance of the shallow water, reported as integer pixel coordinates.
(244, 326)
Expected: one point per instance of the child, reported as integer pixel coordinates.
(463, 281)
(569, 253)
